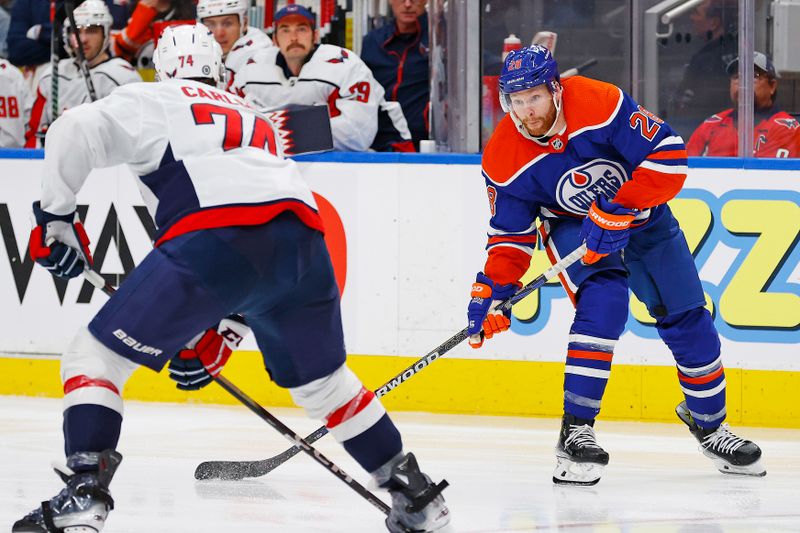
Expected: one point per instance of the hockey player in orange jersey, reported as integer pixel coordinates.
(597, 168)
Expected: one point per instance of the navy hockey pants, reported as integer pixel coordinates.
(659, 268)
(277, 275)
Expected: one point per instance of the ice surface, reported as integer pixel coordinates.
(499, 470)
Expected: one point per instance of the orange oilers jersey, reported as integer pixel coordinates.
(611, 146)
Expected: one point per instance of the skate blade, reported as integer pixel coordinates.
(756, 469)
(441, 524)
(396, 527)
(569, 472)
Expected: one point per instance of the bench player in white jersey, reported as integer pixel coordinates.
(94, 22)
(228, 21)
(238, 231)
(300, 71)
(15, 106)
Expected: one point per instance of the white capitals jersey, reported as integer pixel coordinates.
(72, 90)
(15, 106)
(243, 49)
(332, 75)
(204, 158)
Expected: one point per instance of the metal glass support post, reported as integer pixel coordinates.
(455, 61)
(746, 76)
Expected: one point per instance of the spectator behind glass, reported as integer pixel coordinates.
(776, 133)
(397, 54)
(5, 20)
(29, 33)
(703, 85)
(300, 71)
(139, 29)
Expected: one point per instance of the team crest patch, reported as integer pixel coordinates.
(578, 187)
(341, 59)
(790, 123)
(557, 143)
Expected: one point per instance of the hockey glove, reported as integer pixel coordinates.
(59, 243)
(205, 355)
(484, 318)
(606, 229)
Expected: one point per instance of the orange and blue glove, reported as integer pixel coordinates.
(485, 319)
(606, 229)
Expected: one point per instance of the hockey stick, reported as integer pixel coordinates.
(99, 282)
(69, 5)
(244, 469)
(574, 71)
(55, 29)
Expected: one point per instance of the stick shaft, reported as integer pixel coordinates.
(98, 281)
(298, 442)
(82, 65)
(55, 26)
(242, 469)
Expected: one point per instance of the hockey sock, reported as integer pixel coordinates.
(586, 374)
(90, 428)
(600, 314)
(353, 415)
(694, 342)
(92, 414)
(376, 446)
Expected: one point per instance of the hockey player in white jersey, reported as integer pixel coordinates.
(238, 232)
(15, 106)
(228, 21)
(300, 71)
(93, 20)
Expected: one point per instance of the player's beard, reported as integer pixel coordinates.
(538, 126)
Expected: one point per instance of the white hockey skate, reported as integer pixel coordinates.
(729, 453)
(417, 503)
(580, 460)
(83, 505)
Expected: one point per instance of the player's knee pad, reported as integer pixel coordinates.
(691, 337)
(340, 399)
(93, 374)
(602, 305)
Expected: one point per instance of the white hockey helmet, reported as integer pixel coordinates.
(89, 13)
(216, 8)
(188, 51)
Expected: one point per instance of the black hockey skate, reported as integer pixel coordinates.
(729, 453)
(83, 505)
(417, 502)
(580, 460)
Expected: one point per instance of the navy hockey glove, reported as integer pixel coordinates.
(59, 243)
(606, 229)
(484, 319)
(206, 354)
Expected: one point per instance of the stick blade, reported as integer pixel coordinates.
(234, 470)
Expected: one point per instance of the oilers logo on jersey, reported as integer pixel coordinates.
(578, 187)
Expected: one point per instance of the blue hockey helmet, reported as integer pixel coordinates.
(527, 68)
